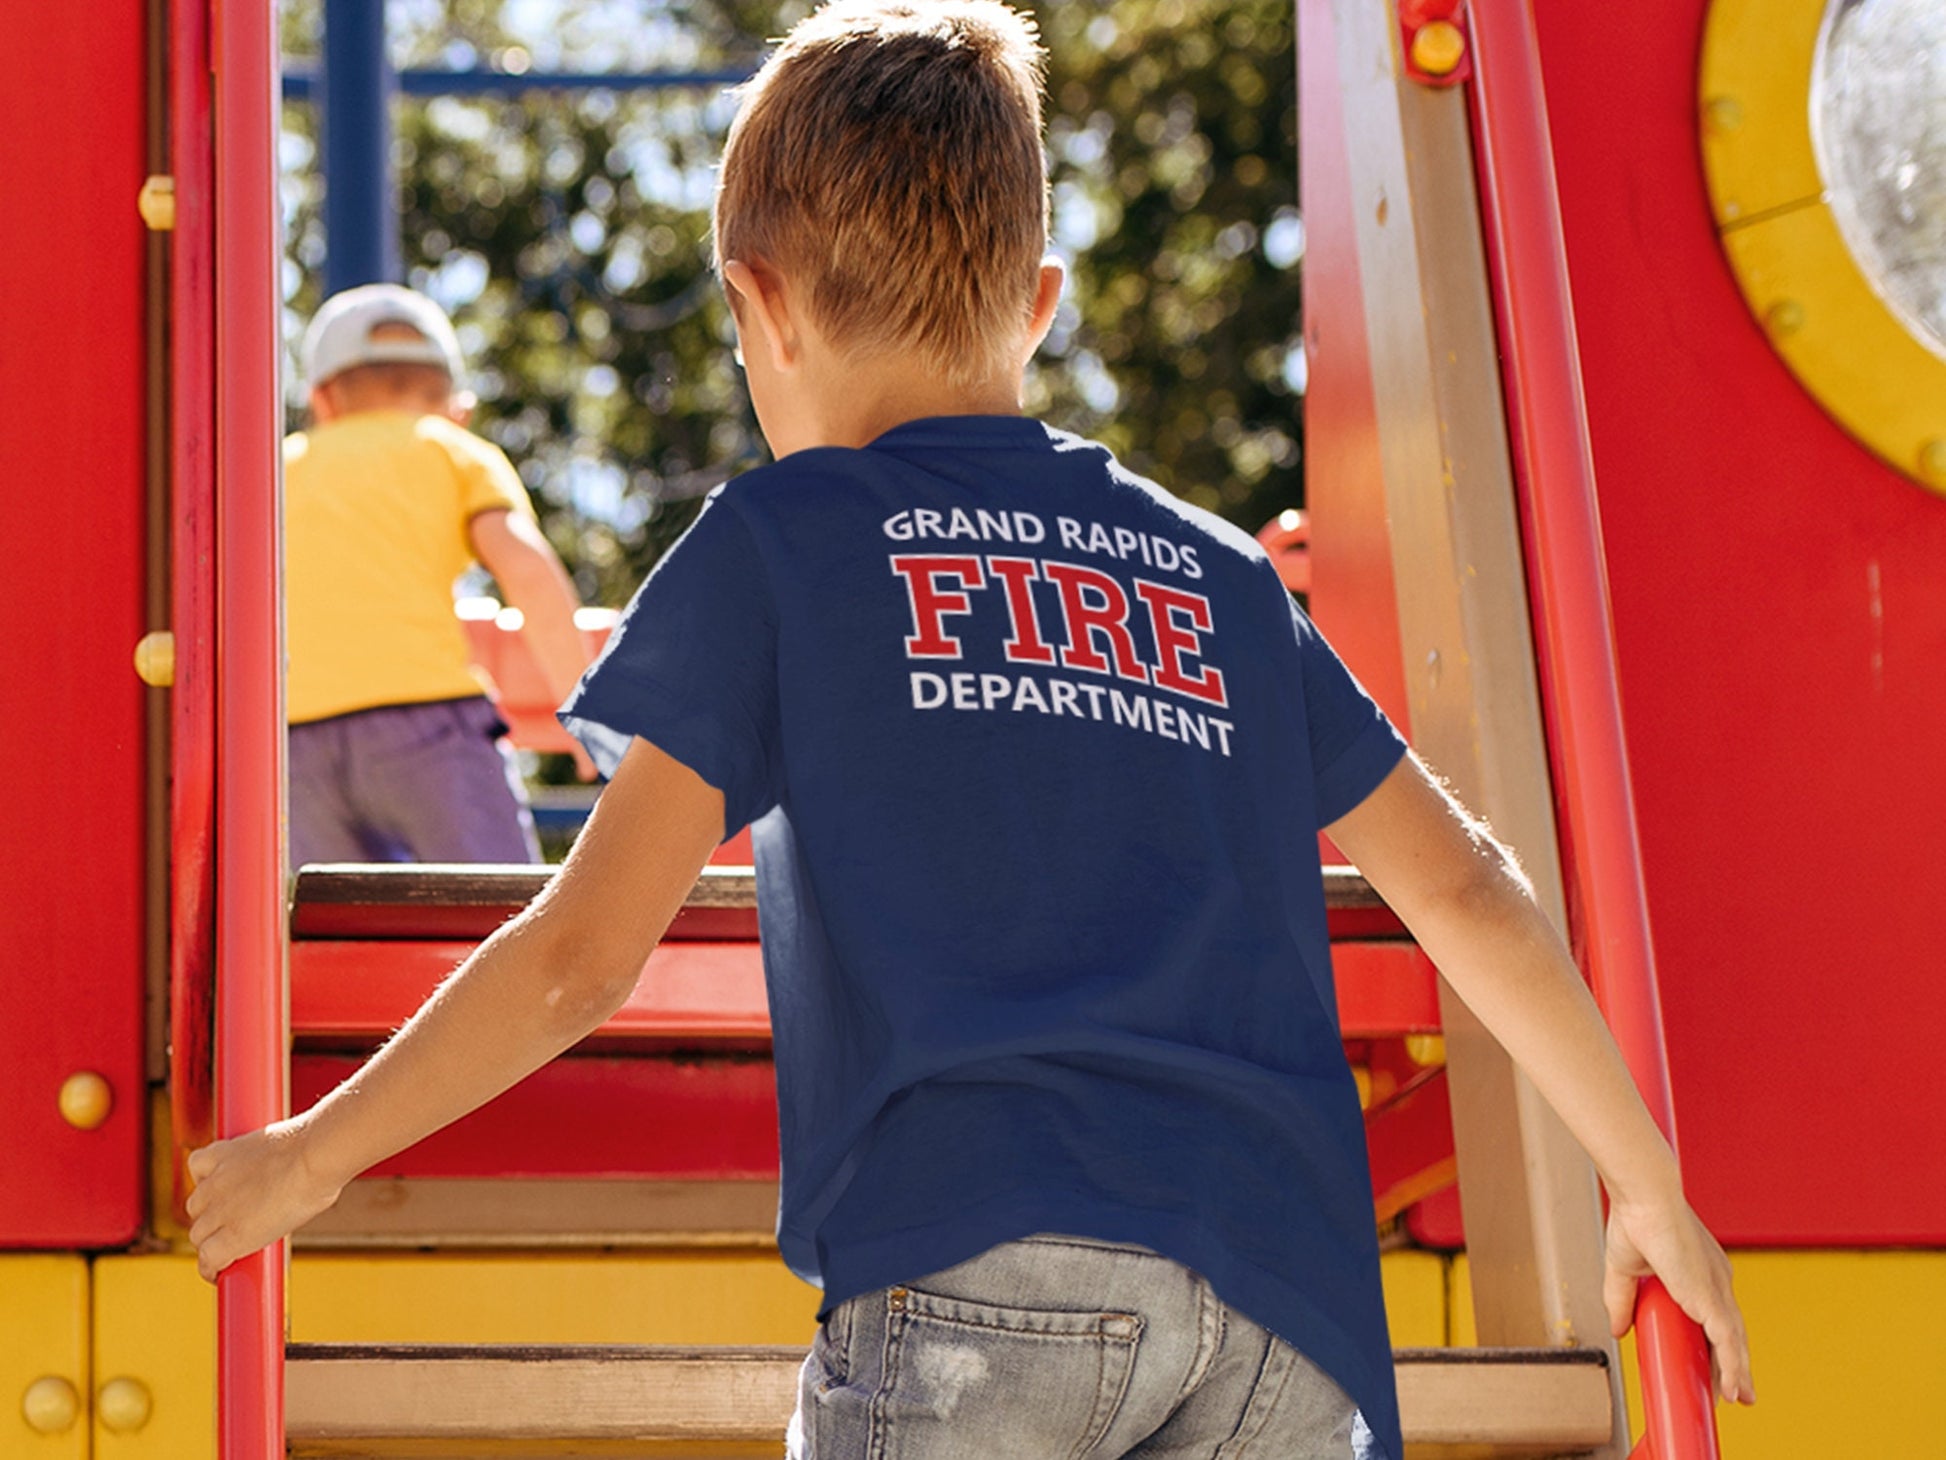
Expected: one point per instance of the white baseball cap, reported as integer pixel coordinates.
(340, 334)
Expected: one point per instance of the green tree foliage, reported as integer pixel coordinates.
(567, 233)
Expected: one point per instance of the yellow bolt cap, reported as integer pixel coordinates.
(1932, 461)
(124, 1405)
(1364, 1078)
(50, 1406)
(157, 203)
(1438, 47)
(1722, 114)
(1426, 1050)
(155, 658)
(85, 1099)
(1785, 317)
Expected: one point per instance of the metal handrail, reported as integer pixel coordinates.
(1568, 583)
(252, 1074)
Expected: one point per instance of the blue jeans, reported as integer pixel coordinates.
(1055, 1348)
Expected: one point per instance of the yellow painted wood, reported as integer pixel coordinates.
(1848, 1349)
(155, 1323)
(1753, 95)
(43, 1334)
(669, 1297)
(1415, 1297)
(1839, 338)
(1841, 341)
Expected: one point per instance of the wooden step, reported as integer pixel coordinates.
(454, 901)
(423, 1401)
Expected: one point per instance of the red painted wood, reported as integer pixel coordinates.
(71, 602)
(361, 991)
(688, 991)
(702, 1117)
(1409, 1140)
(1783, 735)
(192, 748)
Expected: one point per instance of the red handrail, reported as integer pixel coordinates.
(1568, 582)
(252, 1073)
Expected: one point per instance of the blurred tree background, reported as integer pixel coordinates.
(567, 233)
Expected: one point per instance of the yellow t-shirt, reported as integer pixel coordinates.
(376, 511)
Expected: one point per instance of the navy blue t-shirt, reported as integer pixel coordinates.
(1036, 757)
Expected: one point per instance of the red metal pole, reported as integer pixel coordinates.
(252, 1086)
(1568, 581)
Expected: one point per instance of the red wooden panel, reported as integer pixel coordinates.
(708, 1118)
(1781, 617)
(71, 604)
(1385, 988)
(715, 991)
(344, 989)
(1410, 1141)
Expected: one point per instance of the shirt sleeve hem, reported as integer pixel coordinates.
(1356, 771)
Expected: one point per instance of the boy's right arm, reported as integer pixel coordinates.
(513, 549)
(542, 982)
(1466, 901)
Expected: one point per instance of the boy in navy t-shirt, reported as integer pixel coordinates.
(1036, 757)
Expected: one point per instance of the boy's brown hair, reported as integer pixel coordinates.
(888, 156)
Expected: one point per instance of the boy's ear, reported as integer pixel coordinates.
(1047, 300)
(324, 405)
(760, 302)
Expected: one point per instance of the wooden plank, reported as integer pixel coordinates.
(1532, 1212)
(407, 1211)
(385, 1400)
(468, 901)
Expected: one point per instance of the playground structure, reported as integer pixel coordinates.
(1555, 467)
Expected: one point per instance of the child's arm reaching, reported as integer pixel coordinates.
(1466, 901)
(543, 981)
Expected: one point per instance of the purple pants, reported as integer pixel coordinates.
(408, 783)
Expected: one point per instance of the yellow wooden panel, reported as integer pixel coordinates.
(1415, 1297)
(43, 1336)
(155, 1324)
(1754, 87)
(680, 1297)
(1849, 1351)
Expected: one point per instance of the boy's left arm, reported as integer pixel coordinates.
(1466, 901)
(543, 981)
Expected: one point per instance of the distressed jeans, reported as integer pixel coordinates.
(1055, 1348)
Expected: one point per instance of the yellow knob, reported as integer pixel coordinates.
(1438, 47)
(1426, 1050)
(1722, 114)
(124, 1405)
(50, 1405)
(85, 1099)
(155, 658)
(157, 202)
(1785, 317)
(1364, 1078)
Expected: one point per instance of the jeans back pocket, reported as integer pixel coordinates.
(961, 1380)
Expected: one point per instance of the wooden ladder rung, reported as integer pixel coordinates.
(410, 1400)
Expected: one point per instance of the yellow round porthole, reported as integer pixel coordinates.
(1822, 133)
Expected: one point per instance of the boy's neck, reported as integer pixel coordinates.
(848, 403)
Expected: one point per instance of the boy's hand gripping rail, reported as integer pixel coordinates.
(1568, 582)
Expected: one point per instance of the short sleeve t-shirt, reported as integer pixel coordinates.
(376, 511)
(1036, 757)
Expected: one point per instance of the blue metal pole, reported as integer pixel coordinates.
(361, 221)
